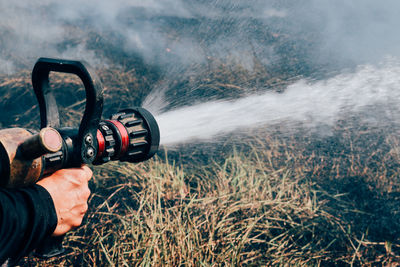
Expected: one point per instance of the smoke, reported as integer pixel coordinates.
(177, 36)
(6, 67)
(178, 33)
(29, 30)
(168, 33)
(359, 31)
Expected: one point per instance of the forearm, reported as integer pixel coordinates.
(26, 216)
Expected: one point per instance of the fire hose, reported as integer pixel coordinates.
(26, 156)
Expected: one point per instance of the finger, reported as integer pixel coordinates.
(83, 209)
(86, 193)
(88, 172)
(76, 222)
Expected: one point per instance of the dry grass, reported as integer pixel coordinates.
(266, 205)
(121, 90)
(274, 199)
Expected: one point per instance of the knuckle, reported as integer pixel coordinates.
(85, 207)
(82, 195)
(86, 193)
(77, 222)
(87, 171)
(82, 178)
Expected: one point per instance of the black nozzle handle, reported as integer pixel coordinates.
(50, 247)
(48, 106)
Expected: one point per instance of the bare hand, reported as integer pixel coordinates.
(69, 190)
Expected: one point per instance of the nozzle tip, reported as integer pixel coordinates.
(50, 139)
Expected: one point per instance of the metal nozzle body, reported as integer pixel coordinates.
(48, 140)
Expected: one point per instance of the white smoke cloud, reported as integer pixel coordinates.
(171, 33)
(176, 34)
(272, 12)
(6, 66)
(359, 31)
(161, 32)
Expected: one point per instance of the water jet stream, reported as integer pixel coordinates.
(311, 103)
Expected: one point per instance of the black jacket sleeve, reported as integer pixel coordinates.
(27, 216)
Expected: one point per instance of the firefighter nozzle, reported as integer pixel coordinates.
(130, 135)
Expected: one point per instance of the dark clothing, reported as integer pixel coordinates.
(27, 215)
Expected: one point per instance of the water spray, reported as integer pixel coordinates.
(308, 103)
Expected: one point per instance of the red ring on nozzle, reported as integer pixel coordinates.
(102, 144)
(124, 137)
